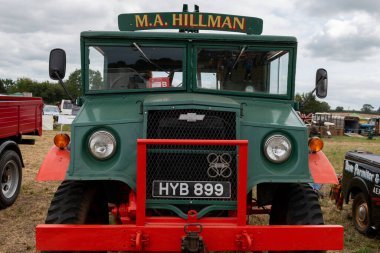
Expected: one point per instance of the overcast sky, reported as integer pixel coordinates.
(342, 36)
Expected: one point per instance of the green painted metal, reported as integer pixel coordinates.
(190, 21)
(124, 113)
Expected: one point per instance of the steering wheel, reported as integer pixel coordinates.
(125, 74)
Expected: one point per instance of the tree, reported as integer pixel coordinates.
(339, 109)
(74, 82)
(50, 92)
(2, 87)
(309, 103)
(367, 108)
(6, 85)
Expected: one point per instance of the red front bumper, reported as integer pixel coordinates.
(167, 237)
(166, 233)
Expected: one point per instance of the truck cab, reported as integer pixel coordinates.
(178, 128)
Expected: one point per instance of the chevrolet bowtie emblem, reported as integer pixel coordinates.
(191, 117)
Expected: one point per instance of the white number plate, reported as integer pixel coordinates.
(191, 189)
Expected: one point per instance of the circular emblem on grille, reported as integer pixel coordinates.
(219, 165)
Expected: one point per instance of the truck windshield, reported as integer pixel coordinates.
(135, 67)
(243, 70)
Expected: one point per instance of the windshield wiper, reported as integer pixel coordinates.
(147, 58)
(237, 58)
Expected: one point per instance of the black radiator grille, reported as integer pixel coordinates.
(189, 163)
(215, 125)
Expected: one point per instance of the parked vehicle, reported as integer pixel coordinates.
(18, 116)
(51, 110)
(361, 184)
(66, 107)
(175, 134)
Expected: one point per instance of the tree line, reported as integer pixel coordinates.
(308, 103)
(51, 92)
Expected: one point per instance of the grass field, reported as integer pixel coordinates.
(17, 223)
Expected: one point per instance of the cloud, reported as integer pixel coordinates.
(321, 8)
(345, 38)
(342, 36)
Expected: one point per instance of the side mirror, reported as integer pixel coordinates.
(321, 83)
(57, 64)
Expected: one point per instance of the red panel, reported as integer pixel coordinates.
(141, 183)
(242, 183)
(321, 169)
(54, 166)
(20, 115)
(167, 237)
(191, 142)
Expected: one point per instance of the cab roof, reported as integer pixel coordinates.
(177, 36)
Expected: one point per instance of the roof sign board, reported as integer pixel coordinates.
(190, 21)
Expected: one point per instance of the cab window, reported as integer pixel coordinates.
(243, 70)
(135, 67)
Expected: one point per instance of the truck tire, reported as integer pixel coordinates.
(361, 214)
(296, 204)
(11, 177)
(78, 202)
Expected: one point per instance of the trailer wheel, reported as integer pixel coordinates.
(11, 177)
(78, 202)
(296, 204)
(361, 214)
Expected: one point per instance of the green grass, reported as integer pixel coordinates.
(335, 149)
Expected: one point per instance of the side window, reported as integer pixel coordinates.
(279, 74)
(96, 72)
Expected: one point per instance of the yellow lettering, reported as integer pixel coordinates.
(213, 22)
(141, 22)
(240, 23)
(158, 20)
(201, 21)
(192, 21)
(227, 22)
(177, 19)
(186, 19)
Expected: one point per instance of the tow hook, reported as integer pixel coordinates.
(139, 240)
(192, 242)
(244, 241)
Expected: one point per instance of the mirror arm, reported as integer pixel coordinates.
(311, 92)
(64, 87)
(316, 86)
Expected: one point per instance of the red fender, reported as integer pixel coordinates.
(321, 169)
(55, 165)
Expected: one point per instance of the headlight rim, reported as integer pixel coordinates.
(266, 143)
(107, 132)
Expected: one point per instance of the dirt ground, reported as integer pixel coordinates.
(18, 222)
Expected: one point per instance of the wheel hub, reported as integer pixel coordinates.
(362, 212)
(9, 179)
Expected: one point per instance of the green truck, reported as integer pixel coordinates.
(181, 136)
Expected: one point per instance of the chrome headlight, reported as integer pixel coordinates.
(277, 148)
(102, 144)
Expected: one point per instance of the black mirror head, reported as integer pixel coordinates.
(57, 64)
(321, 83)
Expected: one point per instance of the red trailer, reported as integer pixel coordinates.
(18, 116)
